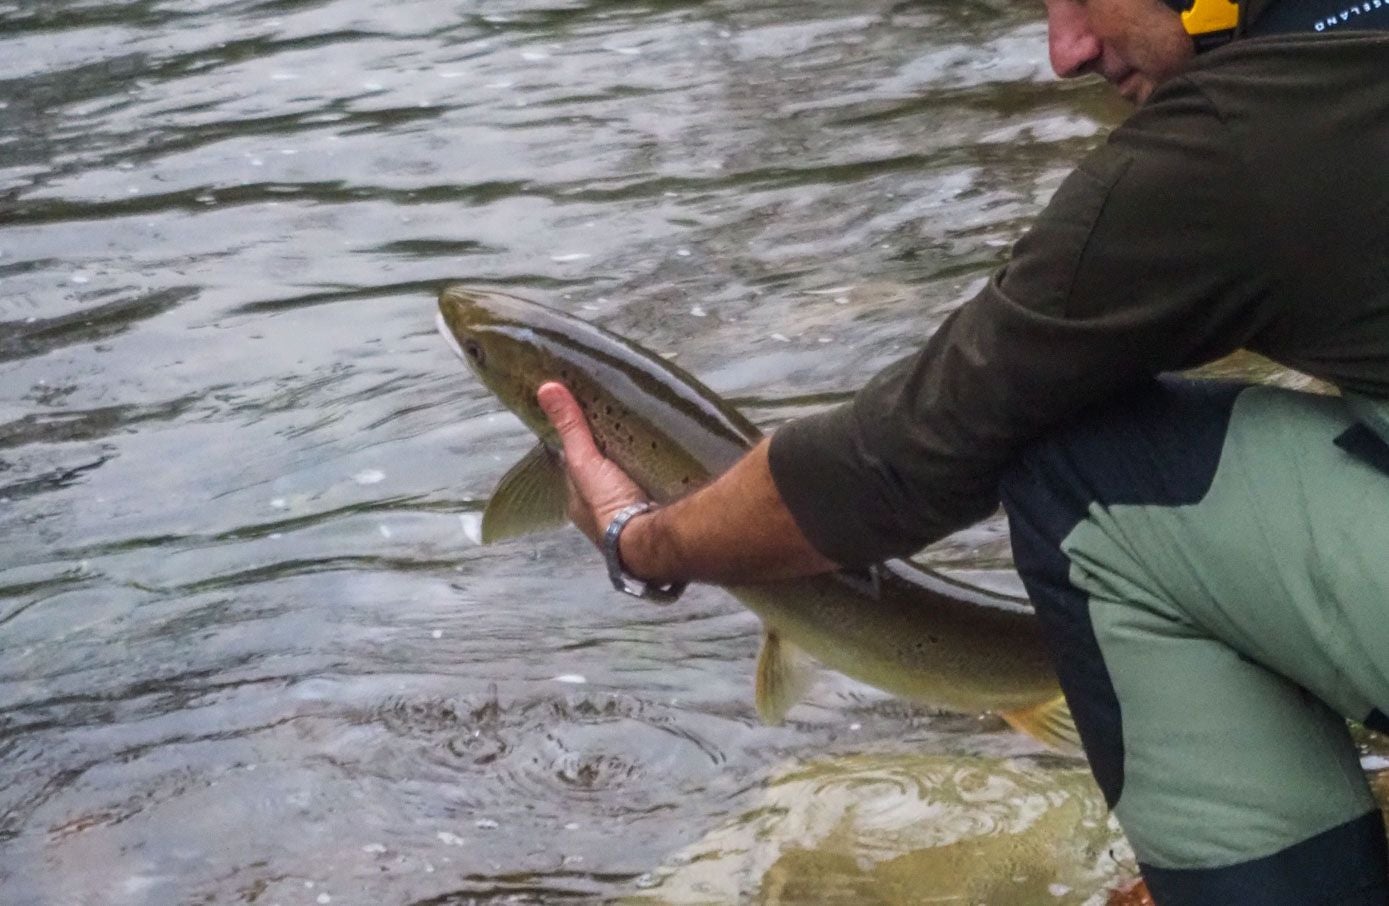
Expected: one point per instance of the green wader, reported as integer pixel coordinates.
(1211, 564)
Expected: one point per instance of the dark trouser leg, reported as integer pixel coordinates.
(1168, 543)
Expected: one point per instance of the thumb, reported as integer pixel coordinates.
(567, 416)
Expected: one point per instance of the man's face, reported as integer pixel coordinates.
(1134, 44)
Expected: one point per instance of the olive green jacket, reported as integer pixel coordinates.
(1244, 205)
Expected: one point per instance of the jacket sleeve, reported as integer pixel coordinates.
(1147, 259)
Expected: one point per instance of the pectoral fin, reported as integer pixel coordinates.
(531, 497)
(1050, 723)
(784, 675)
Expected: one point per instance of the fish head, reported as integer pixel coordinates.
(660, 425)
(501, 338)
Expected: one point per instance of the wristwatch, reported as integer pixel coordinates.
(624, 582)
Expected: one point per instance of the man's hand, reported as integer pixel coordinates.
(598, 489)
(735, 529)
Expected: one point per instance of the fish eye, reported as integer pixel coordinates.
(473, 350)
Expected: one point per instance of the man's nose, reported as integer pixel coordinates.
(1072, 44)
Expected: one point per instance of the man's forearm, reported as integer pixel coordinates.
(736, 529)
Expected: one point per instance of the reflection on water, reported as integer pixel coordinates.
(900, 829)
(248, 651)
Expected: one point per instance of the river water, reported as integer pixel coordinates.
(249, 649)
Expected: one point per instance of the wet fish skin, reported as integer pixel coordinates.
(904, 628)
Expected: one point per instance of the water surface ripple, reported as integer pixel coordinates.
(248, 651)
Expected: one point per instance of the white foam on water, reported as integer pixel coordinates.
(437, 634)
(570, 256)
(534, 55)
(384, 530)
(279, 503)
(374, 848)
(781, 338)
(447, 839)
(575, 679)
(486, 824)
(472, 526)
(369, 476)
(699, 312)
(81, 278)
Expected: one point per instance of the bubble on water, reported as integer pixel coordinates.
(275, 536)
(437, 634)
(486, 824)
(373, 86)
(279, 503)
(472, 526)
(499, 85)
(374, 848)
(289, 152)
(205, 198)
(825, 340)
(447, 839)
(324, 899)
(575, 679)
(832, 291)
(683, 253)
(698, 311)
(841, 300)
(781, 338)
(283, 76)
(125, 165)
(855, 726)
(1058, 890)
(572, 825)
(534, 55)
(384, 530)
(369, 476)
(626, 51)
(646, 881)
(257, 162)
(308, 885)
(570, 256)
(81, 278)
(450, 74)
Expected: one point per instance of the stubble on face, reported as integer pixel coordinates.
(1143, 41)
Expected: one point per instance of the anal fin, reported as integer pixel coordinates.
(1049, 723)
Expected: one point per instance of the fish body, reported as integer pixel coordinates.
(900, 627)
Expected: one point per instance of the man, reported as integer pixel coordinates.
(1208, 560)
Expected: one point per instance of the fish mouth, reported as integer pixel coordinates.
(447, 333)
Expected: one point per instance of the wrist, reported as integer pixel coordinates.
(629, 567)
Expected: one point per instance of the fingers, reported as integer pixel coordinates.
(564, 413)
(597, 487)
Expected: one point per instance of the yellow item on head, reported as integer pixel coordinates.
(1208, 16)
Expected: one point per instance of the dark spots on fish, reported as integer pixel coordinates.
(685, 480)
(653, 445)
(608, 410)
(933, 639)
